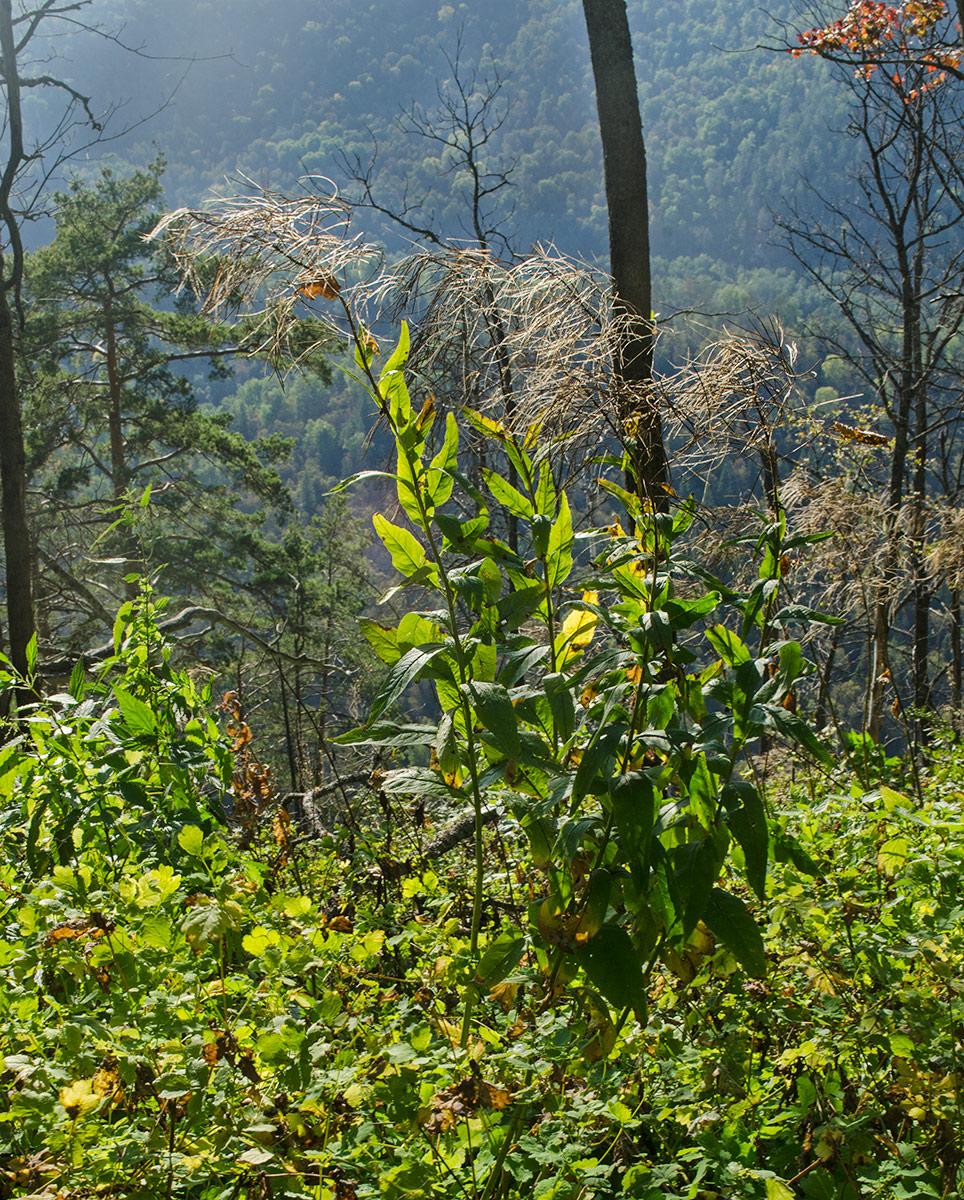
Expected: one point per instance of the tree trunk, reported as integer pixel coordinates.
(624, 163)
(17, 545)
(955, 607)
(13, 460)
(879, 668)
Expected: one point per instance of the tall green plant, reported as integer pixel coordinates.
(610, 719)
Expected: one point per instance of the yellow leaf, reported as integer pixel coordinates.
(79, 1099)
(577, 631)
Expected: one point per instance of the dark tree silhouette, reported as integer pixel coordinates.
(624, 164)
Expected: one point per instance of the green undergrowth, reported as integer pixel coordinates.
(651, 971)
(184, 1018)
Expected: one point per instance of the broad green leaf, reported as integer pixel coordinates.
(272, 1046)
(509, 497)
(776, 1190)
(419, 781)
(727, 645)
(383, 641)
(155, 931)
(205, 923)
(404, 672)
(894, 799)
(794, 728)
(697, 866)
(733, 924)
(786, 848)
(892, 856)
(611, 964)
(137, 716)
(545, 491)
(484, 661)
(631, 502)
(497, 714)
(684, 517)
(78, 681)
(800, 612)
(598, 759)
(634, 812)
(748, 824)
(405, 549)
(561, 704)
(191, 840)
(500, 957)
(559, 548)
(901, 1046)
(410, 477)
(684, 613)
(416, 630)
(439, 480)
(520, 604)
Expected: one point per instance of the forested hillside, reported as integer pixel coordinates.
(280, 91)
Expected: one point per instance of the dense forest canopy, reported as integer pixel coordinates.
(280, 91)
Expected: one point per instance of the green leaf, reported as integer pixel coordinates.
(31, 655)
(727, 645)
(631, 502)
(792, 727)
(272, 1046)
(786, 848)
(137, 716)
(205, 924)
(497, 714)
(684, 613)
(419, 781)
(416, 630)
(388, 733)
(404, 672)
(697, 866)
(405, 549)
(78, 681)
(892, 856)
(545, 491)
(901, 1046)
(733, 924)
(561, 704)
(776, 1190)
(500, 957)
(559, 548)
(439, 480)
(382, 640)
(611, 964)
(748, 824)
(509, 497)
(399, 356)
(191, 840)
(156, 931)
(597, 759)
(411, 478)
(799, 612)
(634, 812)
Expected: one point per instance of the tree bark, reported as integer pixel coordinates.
(17, 544)
(13, 462)
(624, 164)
